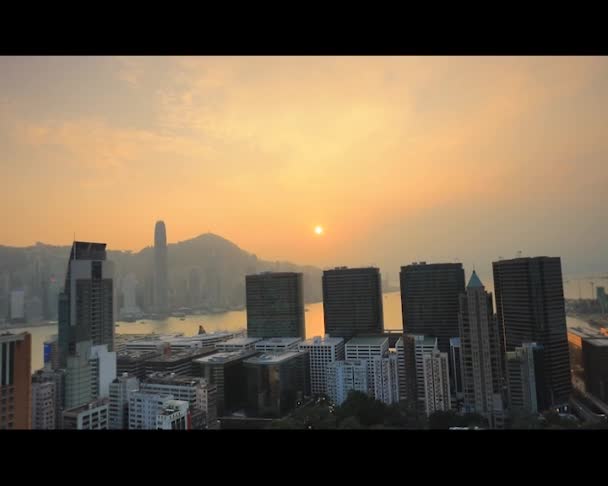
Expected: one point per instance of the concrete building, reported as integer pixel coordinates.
(275, 305)
(120, 389)
(530, 308)
(152, 411)
(595, 363)
(133, 363)
(90, 416)
(15, 381)
(161, 279)
(524, 368)
(237, 344)
(79, 377)
(346, 376)
(401, 360)
(179, 363)
(103, 370)
(173, 415)
(429, 300)
(386, 378)
(276, 383)
(456, 375)
(277, 344)
(481, 354)
(39, 405)
(17, 306)
(367, 348)
(322, 352)
(227, 372)
(43, 405)
(352, 302)
(435, 369)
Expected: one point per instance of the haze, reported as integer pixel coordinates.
(399, 159)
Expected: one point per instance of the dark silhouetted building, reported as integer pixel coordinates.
(15, 381)
(595, 362)
(530, 309)
(161, 279)
(352, 302)
(429, 300)
(456, 378)
(275, 305)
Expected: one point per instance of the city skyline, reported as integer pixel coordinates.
(391, 156)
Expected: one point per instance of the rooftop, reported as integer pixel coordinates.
(285, 341)
(474, 282)
(322, 341)
(87, 406)
(597, 341)
(239, 341)
(368, 341)
(7, 337)
(172, 379)
(183, 355)
(223, 357)
(273, 358)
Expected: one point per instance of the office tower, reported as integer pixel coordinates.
(161, 279)
(530, 308)
(79, 377)
(276, 383)
(129, 309)
(352, 302)
(277, 344)
(44, 412)
(524, 369)
(90, 416)
(174, 415)
(103, 370)
(595, 363)
(275, 305)
(120, 389)
(15, 381)
(57, 377)
(151, 411)
(227, 372)
(238, 344)
(456, 376)
(51, 353)
(435, 370)
(17, 306)
(201, 395)
(344, 377)
(322, 351)
(86, 304)
(367, 348)
(429, 300)
(481, 353)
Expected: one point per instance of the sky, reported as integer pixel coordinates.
(399, 159)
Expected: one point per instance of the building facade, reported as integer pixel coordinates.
(90, 416)
(43, 405)
(524, 368)
(344, 377)
(118, 404)
(161, 278)
(352, 302)
(103, 370)
(322, 352)
(15, 381)
(435, 370)
(275, 305)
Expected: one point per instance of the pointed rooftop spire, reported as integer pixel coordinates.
(474, 282)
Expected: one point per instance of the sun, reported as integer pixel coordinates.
(319, 230)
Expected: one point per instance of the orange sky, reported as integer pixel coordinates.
(398, 158)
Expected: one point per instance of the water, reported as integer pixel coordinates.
(230, 321)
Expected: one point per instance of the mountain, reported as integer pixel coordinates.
(205, 270)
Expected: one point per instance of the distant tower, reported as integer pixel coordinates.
(161, 288)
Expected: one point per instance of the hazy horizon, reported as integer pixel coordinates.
(399, 159)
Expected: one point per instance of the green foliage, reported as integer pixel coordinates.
(444, 420)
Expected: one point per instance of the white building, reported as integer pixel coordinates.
(103, 370)
(322, 351)
(173, 415)
(119, 400)
(278, 344)
(90, 416)
(386, 378)
(344, 376)
(237, 344)
(17, 307)
(368, 348)
(400, 351)
(180, 342)
(145, 409)
(436, 372)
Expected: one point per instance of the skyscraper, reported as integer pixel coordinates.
(15, 381)
(275, 305)
(161, 284)
(352, 302)
(323, 351)
(524, 369)
(344, 377)
(456, 378)
(120, 389)
(435, 370)
(481, 353)
(530, 308)
(429, 300)
(86, 303)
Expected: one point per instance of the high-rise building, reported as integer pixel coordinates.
(481, 354)
(103, 370)
(43, 405)
(129, 309)
(79, 377)
(161, 279)
(275, 305)
(86, 304)
(524, 368)
(120, 389)
(429, 300)
(194, 287)
(227, 372)
(39, 406)
(367, 348)
(51, 353)
(90, 416)
(530, 308)
(276, 382)
(436, 374)
(595, 363)
(151, 411)
(352, 302)
(277, 344)
(17, 306)
(344, 377)
(456, 376)
(401, 367)
(322, 351)
(174, 415)
(15, 381)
